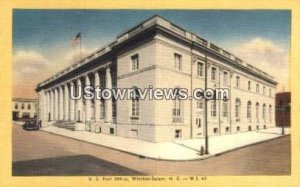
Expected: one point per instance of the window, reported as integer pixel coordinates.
(26, 115)
(28, 106)
(178, 61)
(280, 103)
(135, 107)
(135, 62)
(270, 113)
(215, 130)
(237, 109)
(213, 108)
(227, 129)
(177, 133)
(199, 104)
(22, 106)
(249, 111)
(114, 109)
(111, 131)
(257, 112)
(257, 88)
(225, 77)
(249, 85)
(16, 106)
(225, 109)
(238, 81)
(200, 69)
(249, 128)
(238, 128)
(213, 73)
(257, 127)
(264, 89)
(264, 112)
(198, 122)
(177, 111)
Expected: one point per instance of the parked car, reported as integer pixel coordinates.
(31, 125)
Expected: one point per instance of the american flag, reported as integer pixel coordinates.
(77, 39)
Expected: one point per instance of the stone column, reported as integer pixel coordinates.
(56, 108)
(97, 101)
(72, 104)
(66, 103)
(108, 102)
(79, 112)
(61, 103)
(51, 105)
(48, 105)
(41, 106)
(45, 107)
(88, 103)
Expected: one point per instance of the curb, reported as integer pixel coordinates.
(165, 159)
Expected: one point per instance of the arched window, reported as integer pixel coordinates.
(249, 111)
(264, 112)
(257, 112)
(237, 110)
(135, 105)
(270, 113)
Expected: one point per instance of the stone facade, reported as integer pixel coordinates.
(23, 109)
(283, 109)
(163, 55)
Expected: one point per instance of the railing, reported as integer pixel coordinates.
(201, 41)
(225, 53)
(215, 48)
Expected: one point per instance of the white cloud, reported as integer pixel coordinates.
(29, 57)
(28, 68)
(267, 56)
(31, 67)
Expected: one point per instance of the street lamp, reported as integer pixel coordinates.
(205, 111)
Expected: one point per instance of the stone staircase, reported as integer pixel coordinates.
(70, 125)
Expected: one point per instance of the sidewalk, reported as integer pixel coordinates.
(177, 150)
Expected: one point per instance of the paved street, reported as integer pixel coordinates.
(41, 153)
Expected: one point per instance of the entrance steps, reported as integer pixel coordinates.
(70, 125)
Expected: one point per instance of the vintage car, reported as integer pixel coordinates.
(31, 125)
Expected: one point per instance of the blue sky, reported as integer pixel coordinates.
(41, 29)
(48, 33)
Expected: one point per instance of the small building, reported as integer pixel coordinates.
(283, 109)
(23, 109)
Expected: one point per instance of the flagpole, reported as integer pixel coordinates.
(80, 45)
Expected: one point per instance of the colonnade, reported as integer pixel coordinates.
(59, 106)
